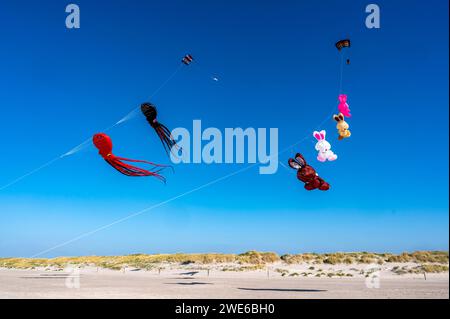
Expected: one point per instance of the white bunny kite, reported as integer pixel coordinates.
(324, 147)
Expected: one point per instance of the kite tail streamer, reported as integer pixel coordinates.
(119, 164)
(164, 134)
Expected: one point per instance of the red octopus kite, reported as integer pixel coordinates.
(104, 144)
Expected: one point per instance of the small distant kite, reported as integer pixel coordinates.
(164, 134)
(104, 144)
(307, 174)
(343, 44)
(343, 107)
(216, 79)
(187, 59)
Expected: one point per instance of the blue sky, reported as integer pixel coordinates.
(278, 68)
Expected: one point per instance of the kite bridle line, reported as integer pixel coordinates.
(127, 117)
(18, 179)
(86, 142)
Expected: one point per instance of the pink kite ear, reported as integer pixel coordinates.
(317, 135)
(323, 133)
(342, 98)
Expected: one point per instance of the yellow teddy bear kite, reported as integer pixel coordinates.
(342, 126)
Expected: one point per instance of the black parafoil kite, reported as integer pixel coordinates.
(343, 44)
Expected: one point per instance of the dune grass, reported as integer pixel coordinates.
(430, 261)
(142, 261)
(439, 257)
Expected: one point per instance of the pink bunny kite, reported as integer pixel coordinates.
(343, 106)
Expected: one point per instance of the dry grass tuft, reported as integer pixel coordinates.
(430, 261)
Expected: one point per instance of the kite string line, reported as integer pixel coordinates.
(340, 90)
(341, 72)
(29, 173)
(82, 145)
(131, 113)
(171, 199)
(284, 165)
(159, 204)
(143, 211)
(126, 117)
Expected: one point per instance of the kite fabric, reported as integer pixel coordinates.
(307, 174)
(343, 107)
(324, 147)
(343, 44)
(104, 145)
(342, 126)
(164, 134)
(187, 59)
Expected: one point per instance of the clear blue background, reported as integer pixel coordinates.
(278, 68)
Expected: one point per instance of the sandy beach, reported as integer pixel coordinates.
(185, 283)
(211, 275)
